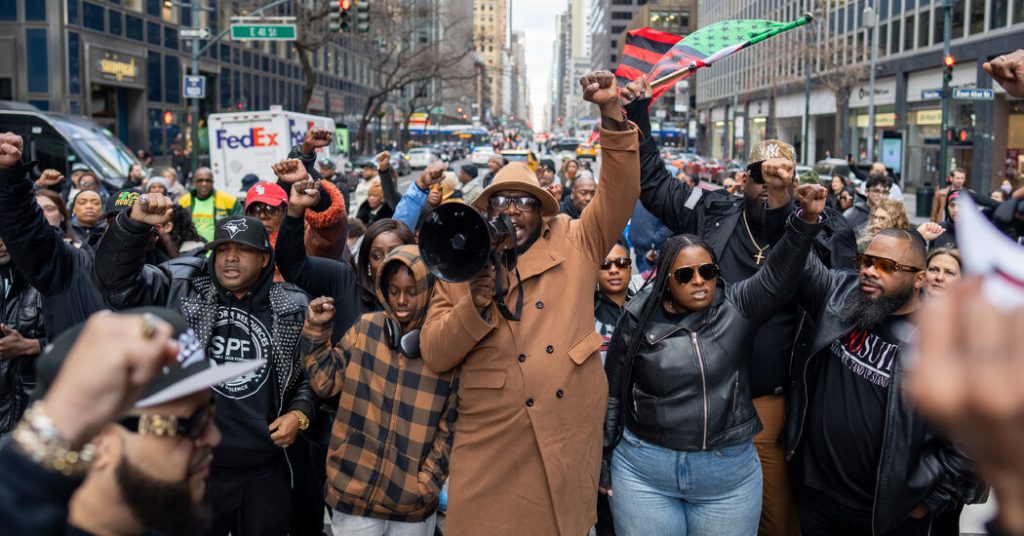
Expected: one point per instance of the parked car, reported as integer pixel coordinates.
(400, 161)
(421, 157)
(480, 155)
(835, 166)
(521, 155)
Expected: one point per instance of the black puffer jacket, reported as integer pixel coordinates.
(917, 465)
(687, 387)
(188, 285)
(22, 310)
(58, 270)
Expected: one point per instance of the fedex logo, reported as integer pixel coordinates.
(256, 137)
(298, 131)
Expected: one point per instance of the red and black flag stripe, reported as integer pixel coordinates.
(643, 49)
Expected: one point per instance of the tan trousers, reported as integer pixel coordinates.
(778, 510)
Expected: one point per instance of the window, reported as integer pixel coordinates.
(133, 27)
(153, 8)
(997, 15)
(153, 33)
(92, 16)
(883, 39)
(172, 79)
(72, 11)
(618, 29)
(924, 29)
(43, 105)
(895, 46)
(977, 16)
(154, 82)
(622, 15)
(6, 89)
(958, 19)
(37, 61)
(225, 88)
(170, 38)
(8, 10)
(1018, 11)
(247, 59)
(35, 10)
(908, 32)
(114, 22)
(74, 64)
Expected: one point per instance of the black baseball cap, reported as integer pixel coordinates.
(190, 373)
(121, 201)
(240, 230)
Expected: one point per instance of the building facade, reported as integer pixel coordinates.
(760, 92)
(608, 21)
(121, 64)
(490, 32)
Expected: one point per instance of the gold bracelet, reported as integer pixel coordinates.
(37, 437)
(303, 419)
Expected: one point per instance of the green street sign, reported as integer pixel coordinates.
(341, 138)
(437, 110)
(263, 32)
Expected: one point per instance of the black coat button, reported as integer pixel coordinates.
(551, 349)
(560, 393)
(529, 402)
(540, 305)
(522, 358)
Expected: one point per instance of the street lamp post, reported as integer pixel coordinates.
(871, 21)
(943, 140)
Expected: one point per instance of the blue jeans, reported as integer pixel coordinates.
(660, 492)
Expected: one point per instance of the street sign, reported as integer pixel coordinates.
(973, 94)
(193, 33)
(437, 110)
(195, 86)
(263, 32)
(931, 94)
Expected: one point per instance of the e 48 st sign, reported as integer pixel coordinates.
(263, 32)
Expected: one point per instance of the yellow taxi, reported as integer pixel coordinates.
(521, 155)
(587, 150)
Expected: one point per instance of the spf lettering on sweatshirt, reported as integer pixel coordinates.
(240, 336)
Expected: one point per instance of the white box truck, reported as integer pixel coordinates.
(252, 141)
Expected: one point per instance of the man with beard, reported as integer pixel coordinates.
(146, 470)
(527, 448)
(580, 195)
(742, 231)
(865, 462)
(239, 314)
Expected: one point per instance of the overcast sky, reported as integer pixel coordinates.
(537, 19)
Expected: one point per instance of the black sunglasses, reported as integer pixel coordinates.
(171, 425)
(621, 262)
(524, 204)
(755, 173)
(257, 210)
(685, 274)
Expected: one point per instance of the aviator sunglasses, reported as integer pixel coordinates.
(685, 274)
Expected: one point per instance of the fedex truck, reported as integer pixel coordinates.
(252, 141)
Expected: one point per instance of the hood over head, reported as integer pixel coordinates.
(409, 255)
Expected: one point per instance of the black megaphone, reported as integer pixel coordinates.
(456, 242)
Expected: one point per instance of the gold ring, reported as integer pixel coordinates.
(149, 325)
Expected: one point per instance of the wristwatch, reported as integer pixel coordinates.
(303, 419)
(37, 437)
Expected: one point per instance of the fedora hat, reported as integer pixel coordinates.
(517, 176)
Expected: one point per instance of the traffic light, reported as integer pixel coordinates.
(338, 18)
(948, 62)
(362, 16)
(960, 135)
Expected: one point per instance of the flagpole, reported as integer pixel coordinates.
(693, 66)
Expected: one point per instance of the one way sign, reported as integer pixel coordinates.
(195, 86)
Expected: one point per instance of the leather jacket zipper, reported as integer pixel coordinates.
(885, 433)
(703, 387)
(803, 414)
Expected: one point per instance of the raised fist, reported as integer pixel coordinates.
(811, 198)
(50, 177)
(778, 172)
(930, 230)
(600, 88)
(153, 209)
(433, 174)
(316, 138)
(10, 149)
(383, 162)
(637, 89)
(321, 311)
(305, 194)
(290, 171)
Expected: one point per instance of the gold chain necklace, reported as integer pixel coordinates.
(759, 258)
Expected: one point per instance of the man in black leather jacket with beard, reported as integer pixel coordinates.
(238, 313)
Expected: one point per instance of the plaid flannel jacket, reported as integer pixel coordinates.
(392, 434)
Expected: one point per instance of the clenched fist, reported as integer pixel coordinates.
(383, 161)
(778, 173)
(153, 209)
(811, 198)
(10, 149)
(433, 174)
(601, 89)
(290, 171)
(321, 311)
(305, 194)
(50, 177)
(316, 138)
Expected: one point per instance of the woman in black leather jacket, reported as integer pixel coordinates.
(679, 398)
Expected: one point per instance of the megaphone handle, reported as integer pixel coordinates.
(502, 288)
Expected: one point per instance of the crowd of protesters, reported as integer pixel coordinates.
(681, 360)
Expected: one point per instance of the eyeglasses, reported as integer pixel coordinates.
(685, 274)
(524, 204)
(621, 262)
(262, 210)
(881, 264)
(882, 191)
(171, 425)
(754, 170)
